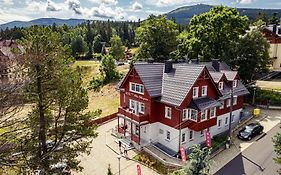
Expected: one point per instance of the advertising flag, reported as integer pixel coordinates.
(183, 155)
(139, 169)
(208, 138)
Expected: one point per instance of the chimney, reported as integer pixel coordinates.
(274, 29)
(216, 64)
(150, 60)
(195, 61)
(168, 66)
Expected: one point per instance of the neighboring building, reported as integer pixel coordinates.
(9, 69)
(273, 35)
(169, 105)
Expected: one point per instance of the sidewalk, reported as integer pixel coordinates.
(268, 119)
(96, 163)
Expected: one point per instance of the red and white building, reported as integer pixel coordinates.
(169, 105)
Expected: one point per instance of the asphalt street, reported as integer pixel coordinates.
(256, 159)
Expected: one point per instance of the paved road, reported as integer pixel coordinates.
(256, 157)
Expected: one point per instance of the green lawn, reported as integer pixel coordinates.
(108, 98)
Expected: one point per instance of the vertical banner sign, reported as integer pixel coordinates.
(208, 138)
(183, 155)
(139, 169)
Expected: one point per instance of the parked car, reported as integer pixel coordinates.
(250, 131)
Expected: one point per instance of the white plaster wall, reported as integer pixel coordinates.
(275, 51)
(197, 138)
(150, 133)
(215, 130)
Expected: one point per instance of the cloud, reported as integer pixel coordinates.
(7, 2)
(8, 16)
(245, 1)
(107, 2)
(35, 6)
(107, 12)
(136, 6)
(51, 6)
(75, 6)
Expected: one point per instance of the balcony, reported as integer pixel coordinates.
(136, 117)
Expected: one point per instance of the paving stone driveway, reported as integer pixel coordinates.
(97, 162)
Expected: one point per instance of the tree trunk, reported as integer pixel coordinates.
(42, 150)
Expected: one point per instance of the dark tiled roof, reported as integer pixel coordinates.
(230, 75)
(151, 76)
(240, 90)
(177, 83)
(203, 103)
(172, 87)
(216, 76)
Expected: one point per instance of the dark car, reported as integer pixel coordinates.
(250, 131)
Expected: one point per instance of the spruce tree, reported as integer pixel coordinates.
(58, 128)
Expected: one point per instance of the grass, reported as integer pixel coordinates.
(108, 98)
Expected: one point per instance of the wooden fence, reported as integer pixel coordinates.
(103, 120)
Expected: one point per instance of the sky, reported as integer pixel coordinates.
(25, 10)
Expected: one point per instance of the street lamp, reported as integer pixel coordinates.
(119, 157)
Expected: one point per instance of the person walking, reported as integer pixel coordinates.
(120, 145)
(125, 151)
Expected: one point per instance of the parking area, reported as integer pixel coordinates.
(101, 156)
(268, 119)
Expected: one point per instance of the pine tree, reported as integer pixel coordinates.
(58, 128)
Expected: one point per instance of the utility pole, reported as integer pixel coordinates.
(230, 115)
(254, 96)
(119, 157)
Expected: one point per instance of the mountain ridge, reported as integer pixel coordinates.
(183, 14)
(43, 21)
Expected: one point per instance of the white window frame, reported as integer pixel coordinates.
(190, 116)
(222, 105)
(234, 100)
(205, 112)
(168, 112)
(234, 83)
(141, 108)
(185, 114)
(137, 130)
(191, 135)
(183, 138)
(205, 90)
(228, 102)
(195, 92)
(130, 104)
(219, 123)
(214, 110)
(135, 85)
(202, 133)
(221, 84)
(168, 135)
(226, 121)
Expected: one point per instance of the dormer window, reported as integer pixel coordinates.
(204, 90)
(195, 92)
(220, 85)
(137, 88)
(234, 83)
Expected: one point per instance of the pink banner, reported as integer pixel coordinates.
(208, 138)
(183, 155)
(139, 169)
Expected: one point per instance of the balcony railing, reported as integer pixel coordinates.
(129, 113)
